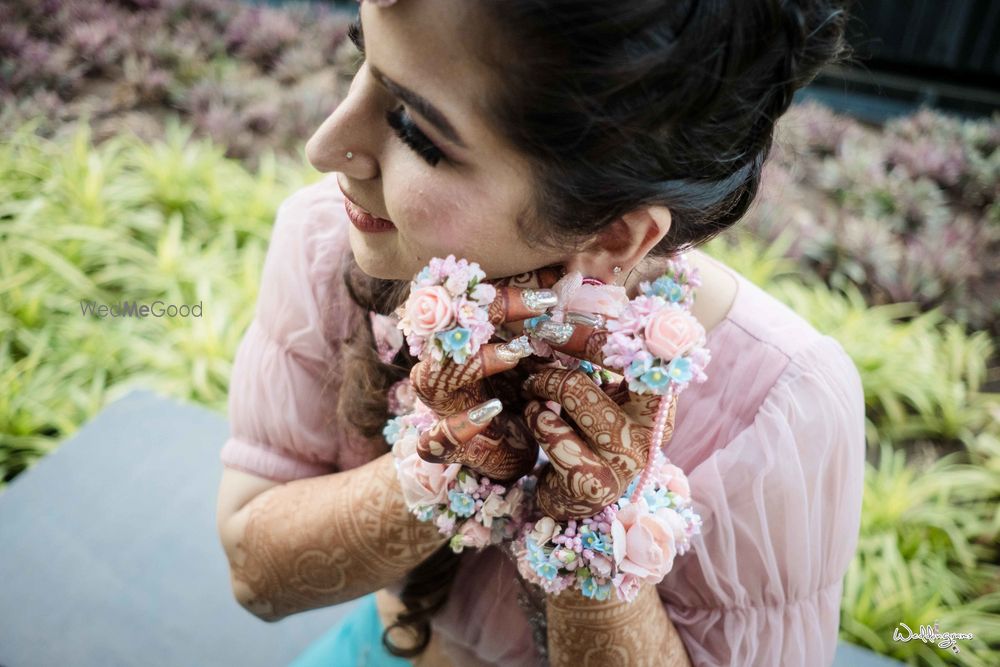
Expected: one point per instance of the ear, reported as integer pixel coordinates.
(624, 243)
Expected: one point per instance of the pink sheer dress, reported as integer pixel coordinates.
(773, 445)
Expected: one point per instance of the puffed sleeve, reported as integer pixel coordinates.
(282, 389)
(781, 506)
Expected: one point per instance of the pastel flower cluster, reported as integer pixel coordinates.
(655, 339)
(620, 548)
(446, 314)
(475, 511)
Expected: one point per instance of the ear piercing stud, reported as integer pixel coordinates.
(617, 271)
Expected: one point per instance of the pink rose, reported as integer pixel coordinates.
(429, 310)
(671, 332)
(425, 483)
(676, 523)
(644, 543)
(677, 481)
(474, 534)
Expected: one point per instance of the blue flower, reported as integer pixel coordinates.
(667, 288)
(639, 366)
(588, 587)
(656, 377)
(547, 570)
(425, 274)
(603, 591)
(456, 342)
(657, 499)
(631, 488)
(680, 369)
(462, 504)
(392, 430)
(591, 539)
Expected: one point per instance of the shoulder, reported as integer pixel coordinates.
(762, 353)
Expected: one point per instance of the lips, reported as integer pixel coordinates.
(364, 220)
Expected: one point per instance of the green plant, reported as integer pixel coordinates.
(172, 220)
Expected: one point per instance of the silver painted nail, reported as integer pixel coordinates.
(554, 332)
(514, 350)
(539, 300)
(484, 412)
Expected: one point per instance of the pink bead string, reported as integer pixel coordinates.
(659, 430)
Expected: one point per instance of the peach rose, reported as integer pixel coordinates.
(474, 534)
(429, 310)
(678, 481)
(672, 332)
(425, 483)
(644, 543)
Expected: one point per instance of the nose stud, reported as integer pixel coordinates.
(349, 155)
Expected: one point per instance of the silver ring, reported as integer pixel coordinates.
(597, 321)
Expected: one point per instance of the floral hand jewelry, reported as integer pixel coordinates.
(660, 346)
(475, 511)
(446, 314)
(625, 545)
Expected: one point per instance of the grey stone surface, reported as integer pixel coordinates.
(110, 554)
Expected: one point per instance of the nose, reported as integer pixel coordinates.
(348, 140)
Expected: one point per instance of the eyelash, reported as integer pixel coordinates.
(397, 118)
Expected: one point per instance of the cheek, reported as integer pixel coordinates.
(432, 212)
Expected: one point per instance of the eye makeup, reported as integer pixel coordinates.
(398, 119)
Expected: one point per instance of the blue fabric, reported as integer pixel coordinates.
(355, 642)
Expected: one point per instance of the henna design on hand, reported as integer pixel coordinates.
(618, 440)
(584, 632)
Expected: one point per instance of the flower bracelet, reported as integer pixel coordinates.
(473, 510)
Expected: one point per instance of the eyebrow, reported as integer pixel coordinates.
(420, 105)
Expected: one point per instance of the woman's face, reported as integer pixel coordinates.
(445, 180)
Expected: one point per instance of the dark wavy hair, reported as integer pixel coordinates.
(617, 105)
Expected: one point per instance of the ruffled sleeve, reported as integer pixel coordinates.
(282, 387)
(781, 505)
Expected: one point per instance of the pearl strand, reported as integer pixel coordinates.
(659, 429)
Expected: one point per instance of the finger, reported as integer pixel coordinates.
(579, 482)
(574, 338)
(450, 387)
(440, 443)
(642, 408)
(609, 430)
(513, 304)
(504, 451)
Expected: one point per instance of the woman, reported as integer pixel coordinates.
(536, 138)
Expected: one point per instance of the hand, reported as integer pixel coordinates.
(504, 449)
(603, 445)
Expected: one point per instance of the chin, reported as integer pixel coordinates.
(375, 264)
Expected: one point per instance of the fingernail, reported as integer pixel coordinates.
(514, 350)
(539, 300)
(554, 332)
(484, 412)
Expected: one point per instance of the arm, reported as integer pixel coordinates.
(324, 540)
(584, 632)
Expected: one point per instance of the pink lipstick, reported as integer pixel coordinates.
(364, 220)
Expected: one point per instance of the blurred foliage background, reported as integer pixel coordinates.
(148, 143)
